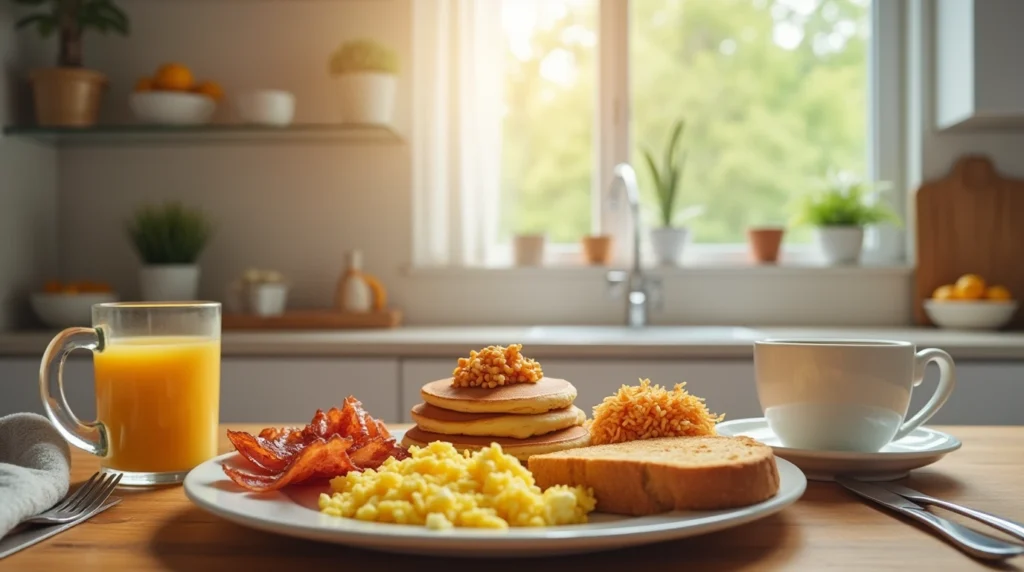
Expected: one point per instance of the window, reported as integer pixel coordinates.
(775, 94)
(547, 163)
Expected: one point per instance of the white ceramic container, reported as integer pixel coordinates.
(266, 107)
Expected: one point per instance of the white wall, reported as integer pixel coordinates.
(28, 181)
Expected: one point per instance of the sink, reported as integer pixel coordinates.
(647, 334)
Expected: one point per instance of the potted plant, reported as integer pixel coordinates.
(597, 249)
(669, 239)
(68, 95)
(839, 215)
(528, 249)
(169, 239)
(765, 243)
(367, 76)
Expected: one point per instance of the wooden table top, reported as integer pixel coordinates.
(828, 528)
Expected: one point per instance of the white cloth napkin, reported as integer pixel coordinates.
(35, 467)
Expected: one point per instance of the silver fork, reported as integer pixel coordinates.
(86, 499)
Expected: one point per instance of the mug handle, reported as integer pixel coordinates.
(91, 437)
(947, 380)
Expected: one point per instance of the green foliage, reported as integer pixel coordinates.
(363, 56)
(843, 204)
(101, 15)
(764, 117)
(668, 179)
(169, 234)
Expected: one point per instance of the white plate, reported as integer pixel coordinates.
(293, 512)
(922, 447)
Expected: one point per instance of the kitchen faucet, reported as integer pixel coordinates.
(641, 289)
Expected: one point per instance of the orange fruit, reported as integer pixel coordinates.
(945, 292)
(998, 293)
(970, 287)
(144, 84)
(174, 77)
(211, 89)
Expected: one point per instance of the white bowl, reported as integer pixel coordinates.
(172, 107)
(68, 310)
(970, 314)
(266, 107)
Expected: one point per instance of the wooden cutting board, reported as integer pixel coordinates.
(972, 221)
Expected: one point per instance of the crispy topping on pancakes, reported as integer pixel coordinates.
(495, 366)
(334, 443)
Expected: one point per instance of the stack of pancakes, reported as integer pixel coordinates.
(524, 418)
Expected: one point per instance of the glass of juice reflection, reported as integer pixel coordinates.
(157, 377)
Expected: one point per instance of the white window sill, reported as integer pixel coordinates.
(580, 271)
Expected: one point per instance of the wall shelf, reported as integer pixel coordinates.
(131, 134)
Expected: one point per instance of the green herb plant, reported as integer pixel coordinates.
(70, 18)
(170, 233)
(363, 55)
(668, 178)
(845, 203)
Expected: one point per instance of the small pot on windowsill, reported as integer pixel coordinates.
(528, 249)
(667, 243)
(597, 249)
(840, 245)
(765, 243)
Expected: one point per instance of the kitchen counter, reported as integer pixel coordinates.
(613, 342)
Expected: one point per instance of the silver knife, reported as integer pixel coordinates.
(969, 541)
(14, 542)
(1008, 526)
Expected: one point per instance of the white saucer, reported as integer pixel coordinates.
(921, 448)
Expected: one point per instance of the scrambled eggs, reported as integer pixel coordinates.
(440, 488)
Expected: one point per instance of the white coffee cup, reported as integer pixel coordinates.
(845, 395)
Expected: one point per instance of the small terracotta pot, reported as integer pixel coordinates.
(67, 97)
(597, 249)
(764, 244)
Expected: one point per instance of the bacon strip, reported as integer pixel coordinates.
(335, 442)
(322, 460)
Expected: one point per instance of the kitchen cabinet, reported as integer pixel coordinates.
(979, 75)
(987, 393)
(19, 386)
(290, 390)
(271, 390)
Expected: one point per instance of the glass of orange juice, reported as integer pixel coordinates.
(157, 377)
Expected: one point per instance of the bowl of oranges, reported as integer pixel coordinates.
(68, 304)
(971, 303)
(172, 96)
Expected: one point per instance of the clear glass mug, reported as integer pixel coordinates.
(157, 377)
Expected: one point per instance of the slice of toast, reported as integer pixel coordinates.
(671, 473)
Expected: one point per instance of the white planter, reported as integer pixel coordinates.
(668, 243)
(840, 244)
(169, 282)
(268, 299)
(528, 249)
(367, 97)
